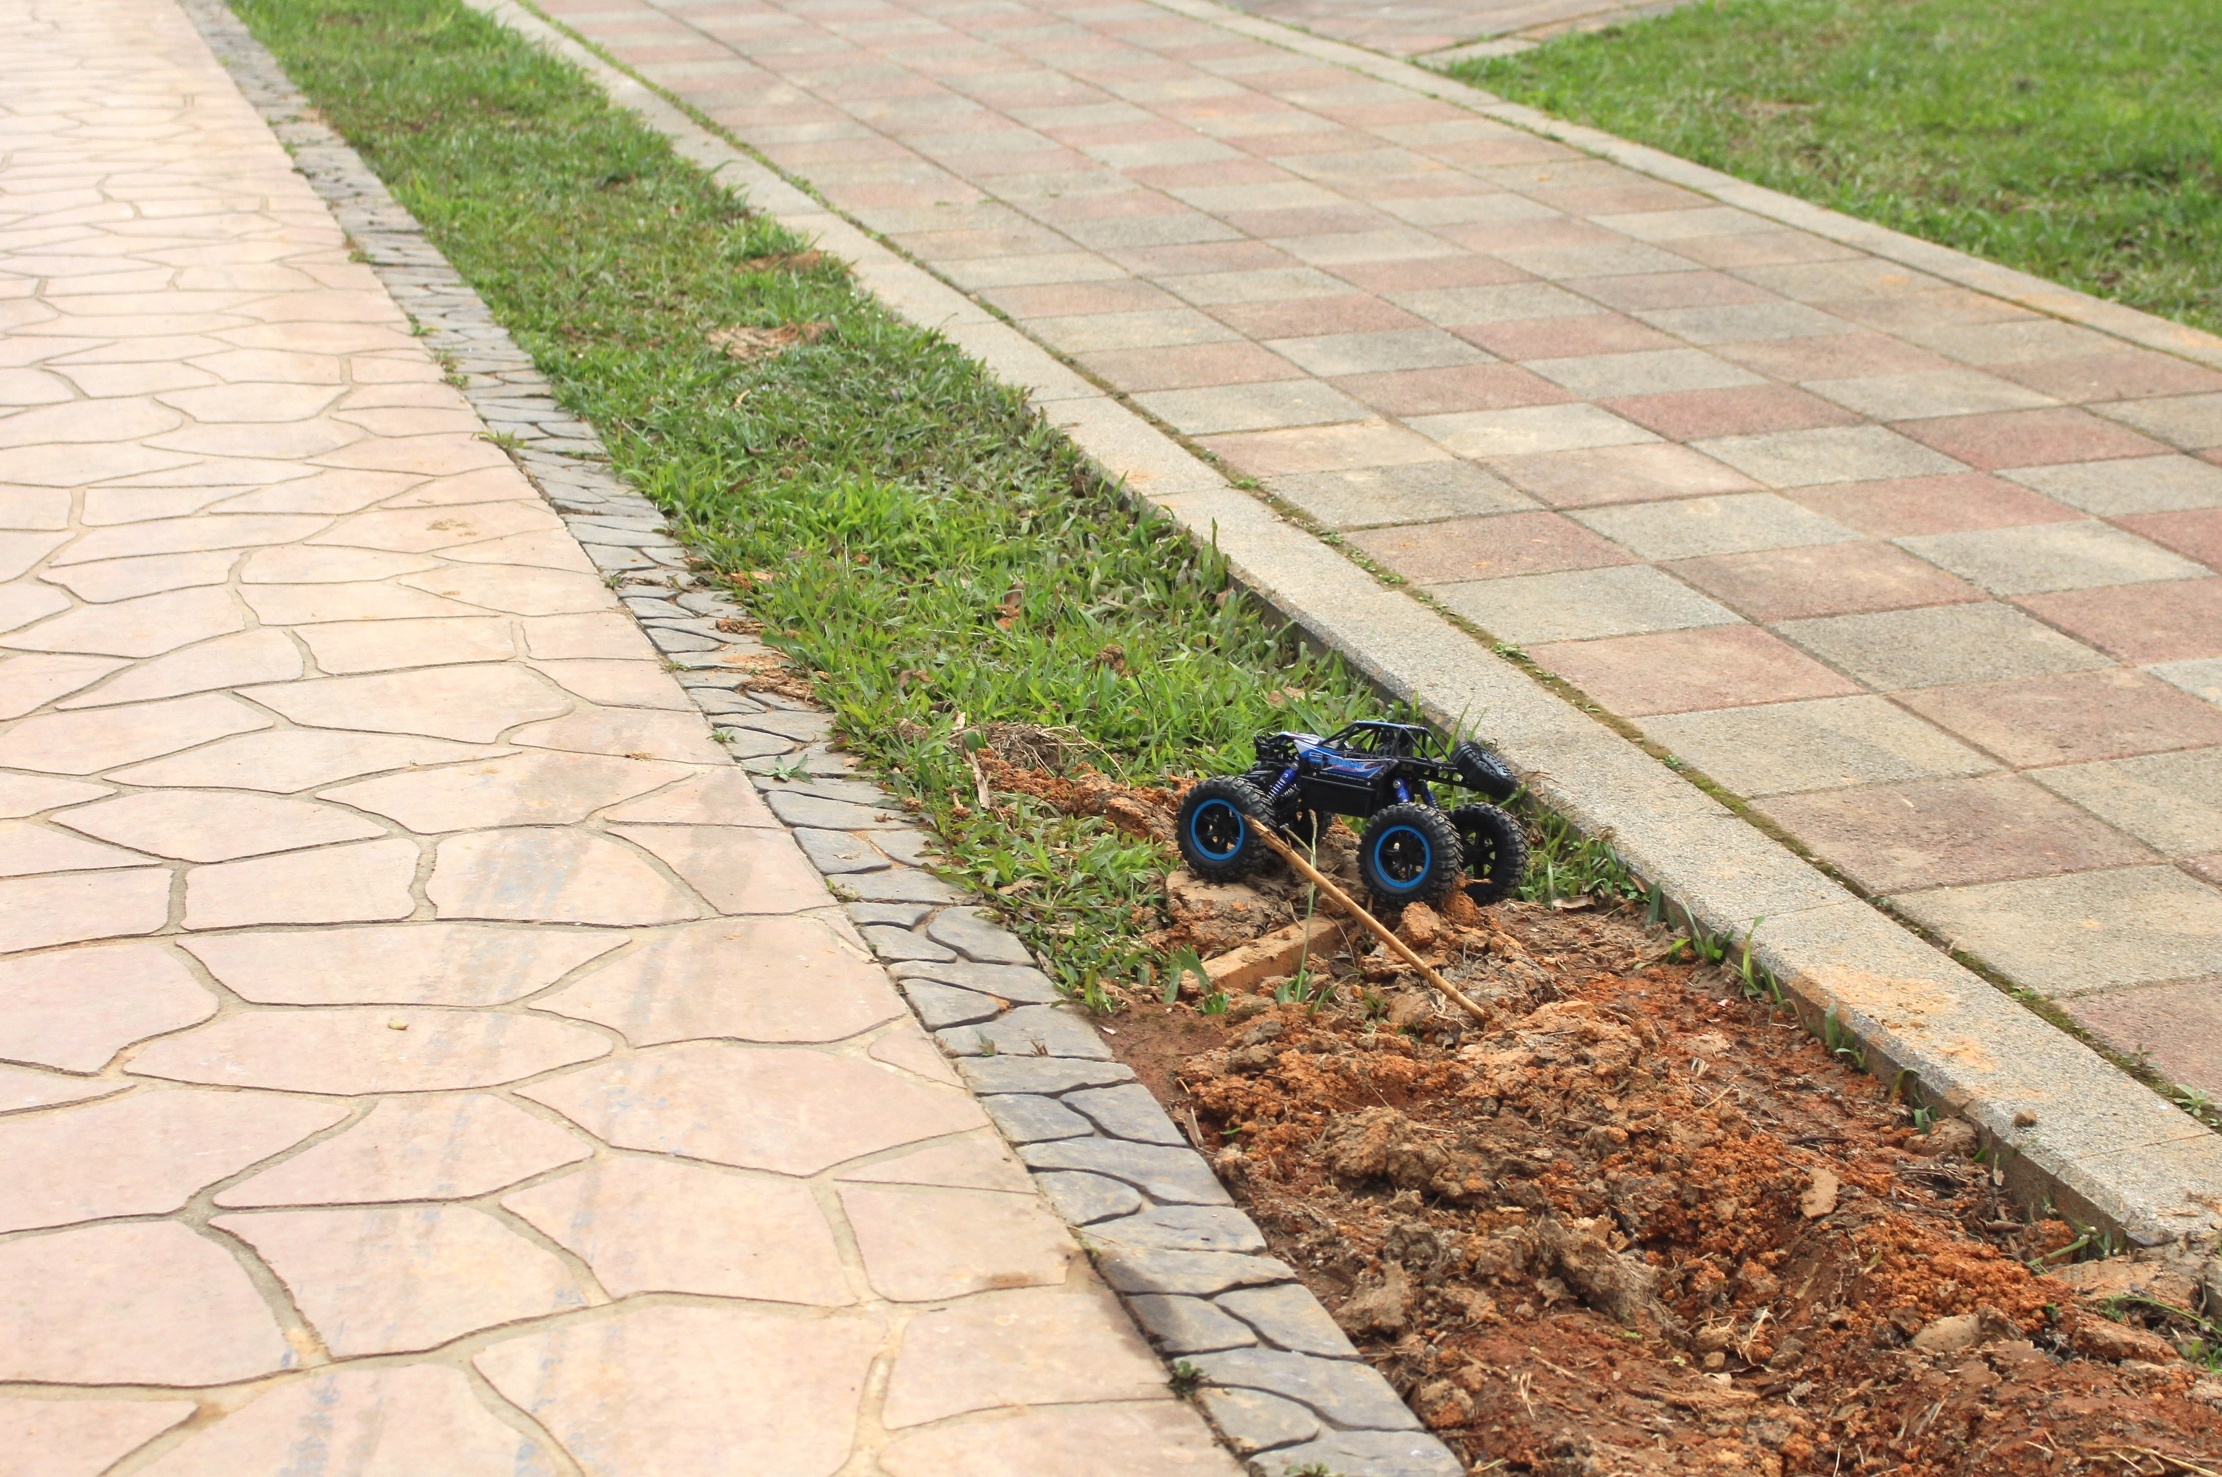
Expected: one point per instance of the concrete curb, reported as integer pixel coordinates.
(1286, 1389)
(2065, 1124)
(2034, 293)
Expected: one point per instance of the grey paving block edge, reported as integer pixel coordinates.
(1163, 1224)
(2103, 1147)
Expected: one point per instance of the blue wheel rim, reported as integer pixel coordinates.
(1220, 814)
(1404, 836)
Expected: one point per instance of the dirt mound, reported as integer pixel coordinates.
(1637, 1224)
(1633, 1224)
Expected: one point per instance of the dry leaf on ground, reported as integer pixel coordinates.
(751, 344)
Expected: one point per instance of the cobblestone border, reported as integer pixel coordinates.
(1281, 1383)
(2061, 1123)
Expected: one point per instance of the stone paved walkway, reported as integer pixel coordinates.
(421, 1051)
(1928, 576)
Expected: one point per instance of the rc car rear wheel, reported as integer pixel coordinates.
(1409, 854)
(1218, 827)
(1495, 848)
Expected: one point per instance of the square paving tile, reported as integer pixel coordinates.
(1691, 527)
(1267, 285)
(1527, 431)
(1189, 366)
(1682, 289)
(2194, 535)
(1950, 832)
(1323, 448)
(1263, 407)
(1376, 353)
(1955, 503)
(1925, 393)
(1937, 645)
(2085, 932)
(1834, 357)
(1314, 317)
(1620, 474)
(1454, 307)
(1410, 274)
(1737, 323)
(2193, 422)
(1825, 744)
(2171, 802)
(2072, 718)
(1566, 338)
(1822, 580)
(1831, 454)
(2202, 679)
(2144, 484)
(2178, 1028)
(1489, 548)
(2177, 620)
(1470, 387)
(1090, 333)
(1695, 415)
(2124, 375)
(1685, 671)
(1371, 496)
(1654, 372)
(2050, 556)
(2029, 438)
(1580, 605)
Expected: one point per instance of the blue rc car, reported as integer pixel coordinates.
(1410, 849)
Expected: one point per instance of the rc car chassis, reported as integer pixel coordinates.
(1410, 850)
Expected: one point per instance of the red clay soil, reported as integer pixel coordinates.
(1634, 1224)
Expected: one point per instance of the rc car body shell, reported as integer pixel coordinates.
(1381, 772)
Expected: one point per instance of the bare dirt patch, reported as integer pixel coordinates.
(1637, 1223)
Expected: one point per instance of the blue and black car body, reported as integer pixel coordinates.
(1409, 850)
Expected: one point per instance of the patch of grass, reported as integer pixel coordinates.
(907, 531)
(2079, 142)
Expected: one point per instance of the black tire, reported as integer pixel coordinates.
(1217, 828)
(1495, 851)
(1483, 772)
(1409, 854)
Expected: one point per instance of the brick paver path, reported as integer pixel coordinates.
(420, 1050)
(1929, 577)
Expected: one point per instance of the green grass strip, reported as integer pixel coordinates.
(2080, 142)
(931, 549)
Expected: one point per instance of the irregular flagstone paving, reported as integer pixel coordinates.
(1929, 577)
(422, 1050)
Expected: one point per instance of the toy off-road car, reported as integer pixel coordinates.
(1410, 850)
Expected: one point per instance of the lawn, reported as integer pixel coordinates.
(2081, 142)
(907, 530)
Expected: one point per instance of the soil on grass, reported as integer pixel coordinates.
(1636, 1223)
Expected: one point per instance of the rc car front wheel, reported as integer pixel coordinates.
(1495, 849)
(1218, 827)
(1409, 854)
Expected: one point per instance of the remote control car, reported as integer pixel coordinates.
(1410, 850)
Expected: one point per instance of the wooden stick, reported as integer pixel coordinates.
(1348, 904)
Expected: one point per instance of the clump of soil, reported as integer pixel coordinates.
(1634, 1224)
